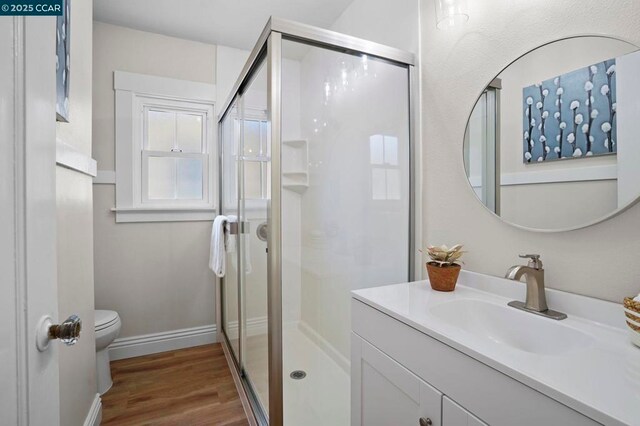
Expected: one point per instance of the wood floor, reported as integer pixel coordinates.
(186, 387)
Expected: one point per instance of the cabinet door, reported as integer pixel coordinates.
(385, 393)
(455, 415)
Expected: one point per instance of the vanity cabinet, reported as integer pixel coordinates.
(455, 415)
(388, 393)
(401, 376)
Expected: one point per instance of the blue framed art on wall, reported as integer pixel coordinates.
(571, 115)
(63, 64)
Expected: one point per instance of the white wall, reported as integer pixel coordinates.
(229, 64)
(599, 261)
(561, 205)
(154, 274)
(393, 23)
(75, 230)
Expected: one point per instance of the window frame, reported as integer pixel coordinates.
(264, 156)
(237, 120)
(140, 138)
(386, 167)
(173, 202)
(136, 95)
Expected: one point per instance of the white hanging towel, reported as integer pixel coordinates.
(223, 243)
(217, 253)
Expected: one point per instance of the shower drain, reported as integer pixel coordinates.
(298, 375)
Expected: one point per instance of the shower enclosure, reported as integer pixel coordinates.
(316, 177)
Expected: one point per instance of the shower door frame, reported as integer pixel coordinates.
(269, 45)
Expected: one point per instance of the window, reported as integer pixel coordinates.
(164, 149)
(255, 154)
(174, 154)
(385, 170)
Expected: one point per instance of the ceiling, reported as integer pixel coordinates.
(235, 23)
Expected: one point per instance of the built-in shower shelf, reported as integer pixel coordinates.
(295, 175)
(296, 187)
(295, 181)
(297, 143)
(295, 165)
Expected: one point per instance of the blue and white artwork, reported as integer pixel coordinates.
(572, 115)
(63, 42)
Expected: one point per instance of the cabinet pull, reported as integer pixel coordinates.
(425, 421)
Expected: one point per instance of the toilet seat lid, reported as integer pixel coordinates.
(105, 319)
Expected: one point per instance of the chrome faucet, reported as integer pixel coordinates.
(536, 301)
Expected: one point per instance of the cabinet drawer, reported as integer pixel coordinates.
(494, 397)
(385, 393)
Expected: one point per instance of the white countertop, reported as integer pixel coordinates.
(600, 380)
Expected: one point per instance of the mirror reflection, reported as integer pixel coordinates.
(550, 143)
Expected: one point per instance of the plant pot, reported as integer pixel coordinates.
(443, 278)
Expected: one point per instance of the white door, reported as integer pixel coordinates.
(28, 376)
(385, 393)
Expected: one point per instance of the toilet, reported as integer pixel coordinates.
(107, 325)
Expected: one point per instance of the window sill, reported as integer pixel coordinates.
(163, 214)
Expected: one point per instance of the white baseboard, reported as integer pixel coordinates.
(94, 417)
(255, 327)
(129, 347)
(326, 347)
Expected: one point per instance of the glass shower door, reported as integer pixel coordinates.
(230, 288)
(324, 157)
(245, 164)
(345, 213)
(254, 195)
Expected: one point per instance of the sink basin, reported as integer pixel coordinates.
(508, 326)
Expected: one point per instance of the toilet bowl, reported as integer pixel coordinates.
(107, 325)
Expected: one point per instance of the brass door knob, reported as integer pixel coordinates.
(425, 421)
(68, 332)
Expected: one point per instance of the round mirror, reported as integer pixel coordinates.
(550, 143)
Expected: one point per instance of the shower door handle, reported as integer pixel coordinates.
(236, 228)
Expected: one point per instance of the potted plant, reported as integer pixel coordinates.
(443, 266)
